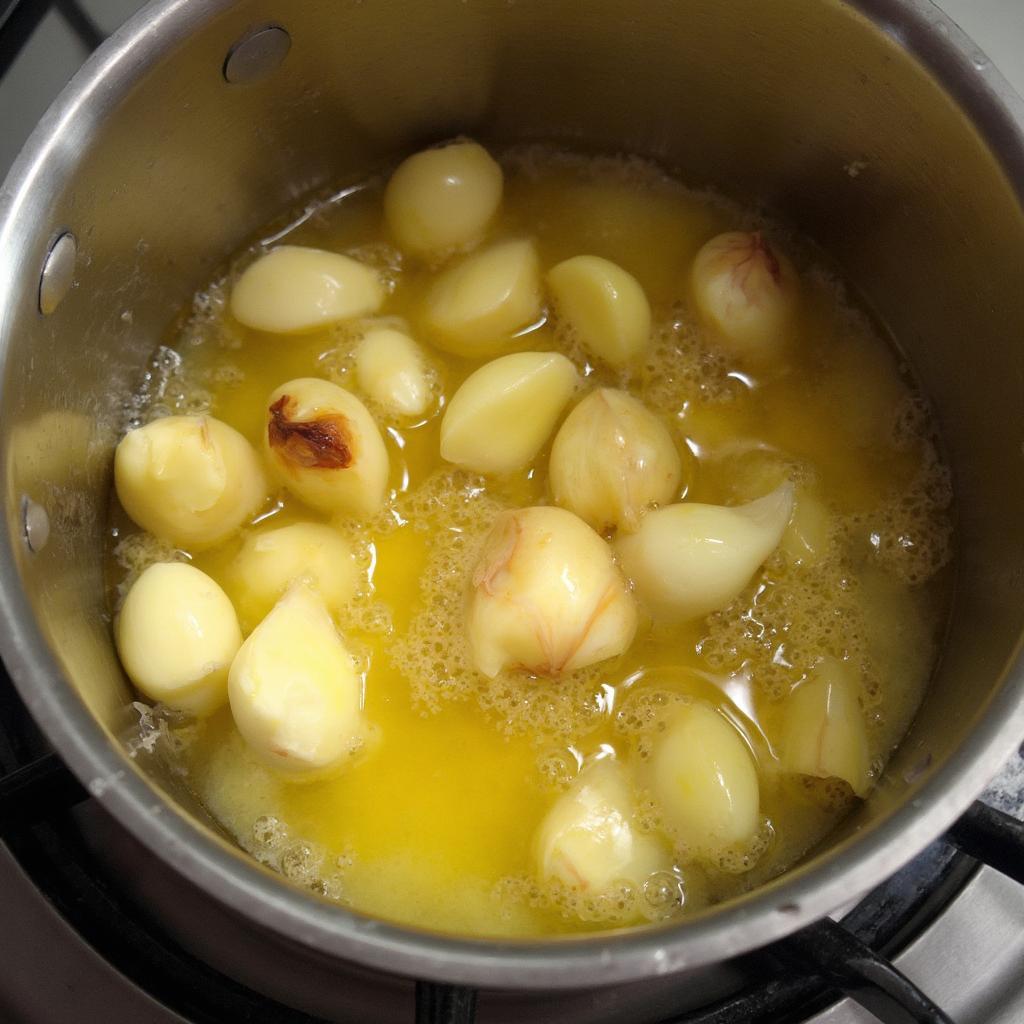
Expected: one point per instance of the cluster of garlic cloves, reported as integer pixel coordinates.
(555, 588)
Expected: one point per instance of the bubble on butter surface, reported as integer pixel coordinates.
(659, 898)
(911, 535)
(304, 863)
(136, 552)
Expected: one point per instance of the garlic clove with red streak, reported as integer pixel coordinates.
(588, 841)
(746, 291)
(190, 480)
(824, 734)
(611, 460)
(294, 690)
(546, 596)
(688, 560)
(324, 446)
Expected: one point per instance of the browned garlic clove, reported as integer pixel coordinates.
(325, 447)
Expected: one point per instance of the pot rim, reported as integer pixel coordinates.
(795, 899)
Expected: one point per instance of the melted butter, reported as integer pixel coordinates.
(434, 821)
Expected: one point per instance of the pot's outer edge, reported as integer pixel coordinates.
(774, 911)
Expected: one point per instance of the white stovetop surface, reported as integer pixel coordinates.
(977, 945)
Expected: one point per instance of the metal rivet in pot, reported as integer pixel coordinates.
(58, 272)
(256, 54)
(35, 524)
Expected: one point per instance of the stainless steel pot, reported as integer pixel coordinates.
(873, 126)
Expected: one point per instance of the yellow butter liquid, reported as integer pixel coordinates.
(433, 823)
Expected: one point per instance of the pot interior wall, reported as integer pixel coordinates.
(771, 103)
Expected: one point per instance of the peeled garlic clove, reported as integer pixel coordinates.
(604, 305)
(688, 560)
(806, 540)
(177, 635)
(546, 596)
(612, 459)
(443, 199)
(190, 480)
(588, 842)
(477, 305)
(325, 447)
(294, 691)
(269, 562)
(295, 289)
(705, 780)
(504, 412)
(824, 733)
(390, 369)
(746, 292)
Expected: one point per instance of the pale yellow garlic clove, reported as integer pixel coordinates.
(476, 306)
(176, 635)
(807, 538)
(294, 690)
(271, 561)
(588, 841)
(705, 780)
(604, 305)
(293, 289)
(688, 560)
(390, 369)
(746, 292)
(612, 459)
(504, 412)
(824, 734)
(546, 596)
(190, 480)
(325, 447)
(443, 199)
